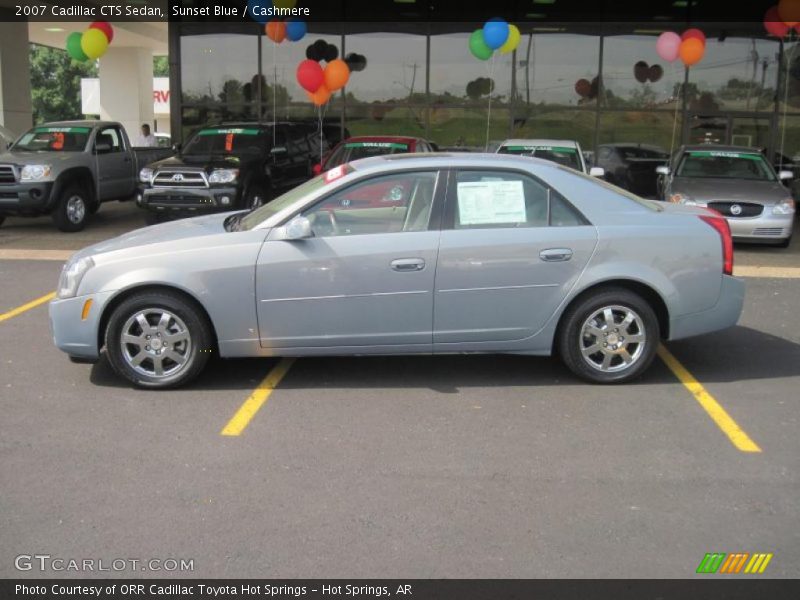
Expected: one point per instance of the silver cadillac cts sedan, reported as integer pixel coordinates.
(407, 254)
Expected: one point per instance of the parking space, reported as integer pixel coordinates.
(454, 466)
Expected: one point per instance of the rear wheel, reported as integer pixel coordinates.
(610, 336)
(72, 209)
(158, 340)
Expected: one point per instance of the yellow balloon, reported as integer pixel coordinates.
(513, 40)
(94, 43)
(284, 3)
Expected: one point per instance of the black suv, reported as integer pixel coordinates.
(231, 166)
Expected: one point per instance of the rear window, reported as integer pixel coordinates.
(350, 151)
(221, 140)
(725, 165)
(54, 139)
(563, 155)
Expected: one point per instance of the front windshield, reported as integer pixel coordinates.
(725, 165)
(226, 141)
(563, 155)
(54, 139)
(278, 204)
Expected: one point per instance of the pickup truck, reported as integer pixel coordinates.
(230, 166)
(66, 169)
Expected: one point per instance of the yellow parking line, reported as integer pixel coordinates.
(257, 399)
(32, 304)
(719, 415)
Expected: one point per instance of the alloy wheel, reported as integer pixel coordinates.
(155, 342)
(613, 339)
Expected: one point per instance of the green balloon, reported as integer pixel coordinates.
(478, 46)
(74, 47)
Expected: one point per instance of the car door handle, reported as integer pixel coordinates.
(555, 254)
(408, 264)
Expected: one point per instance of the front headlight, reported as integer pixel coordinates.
(35, 172)
(146, 175)
(71, 276)
(784, 208)
(223, 176)
(685, 200)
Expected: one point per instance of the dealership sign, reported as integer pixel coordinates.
(90, 96)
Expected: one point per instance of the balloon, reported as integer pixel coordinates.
(331, 53)
(336, 74)
(356, 62)
(513, 40)
(583, 88)
(317, 50)
(691, 51)
(320, 97)
(284, 3)
(276, 30)
(310, 75)
(773, 23)
(668, 45)
(74, 47)
(94, 43)
(655, 73)
(789, 12)
(105, 27)
(641, 70)
(478, 47)
(295, 30)
(251, 5)
(495, 33)
(694, 33)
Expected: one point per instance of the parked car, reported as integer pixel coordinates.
(483, 253)
(230, 166)
(632, 166)
(68, 168)
(738, 182)
(563, 152)
(163, 140)
(365, 146)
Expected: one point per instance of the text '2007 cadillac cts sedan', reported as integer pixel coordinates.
(402, 254)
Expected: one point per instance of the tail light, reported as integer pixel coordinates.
(718, 222)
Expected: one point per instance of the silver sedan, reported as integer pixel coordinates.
(439, 253)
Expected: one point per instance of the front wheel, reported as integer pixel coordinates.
(255, 197)
(158, 340)
(72, 209)
(609, 337)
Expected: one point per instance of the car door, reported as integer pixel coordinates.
(364, 281)
(114, 166)
(511, 248)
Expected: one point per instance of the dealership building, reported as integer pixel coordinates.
(598, 79)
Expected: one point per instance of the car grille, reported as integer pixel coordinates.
(769, 231)
(7, 174)
(180, 200)
(749, 209)
(184, 179)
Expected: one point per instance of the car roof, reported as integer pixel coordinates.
(540, 142)
(719, 148)
(444, 160)
(77, 123)
(400, 139)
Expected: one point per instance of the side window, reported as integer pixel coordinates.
(604, 153)
(498, 199)
(388, 204)
(297, 142)
(111, 136)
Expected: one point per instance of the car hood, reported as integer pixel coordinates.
(25, 157)
(730, 190)
(204, 162)
(183, 229)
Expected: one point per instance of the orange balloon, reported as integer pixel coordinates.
(276, 31)
(337, 73)
(321, 96)
(691, 51)
(789, 12)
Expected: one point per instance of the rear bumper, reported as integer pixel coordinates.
(25, 198)
(71, 334)
(724, 314)
(188, 199)
(764, 227)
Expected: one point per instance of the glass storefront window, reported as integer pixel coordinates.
(630, 84)
(218, 68)
(661, 129)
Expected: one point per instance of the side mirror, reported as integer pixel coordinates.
(316, 169)
(298, 228)
(784, 175)
(662, 170)
(102, 148)
(597, 172)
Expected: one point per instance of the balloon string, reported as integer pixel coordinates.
(274, 91)
(490, 70)
(677, 104)
(786, 92)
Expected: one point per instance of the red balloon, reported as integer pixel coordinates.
(105, 27)
(694, 33)
(310, 75)
(583, 87)
(773, 23)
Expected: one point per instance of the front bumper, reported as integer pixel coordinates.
(188, 199)
(72, 334)
(724, 314)
(25, 198)
(765, 227)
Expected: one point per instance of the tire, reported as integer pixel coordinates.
(255, 197)
(182, 347)
(72, 209)
(584, 327)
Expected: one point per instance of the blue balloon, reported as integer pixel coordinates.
(262, 6)
(495, 33)
(295, 29)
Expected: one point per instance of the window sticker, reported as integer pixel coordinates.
(563, 149)
(229, 132)
(392, 145)
(721, 154)
(62, 130)
(490, 202)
